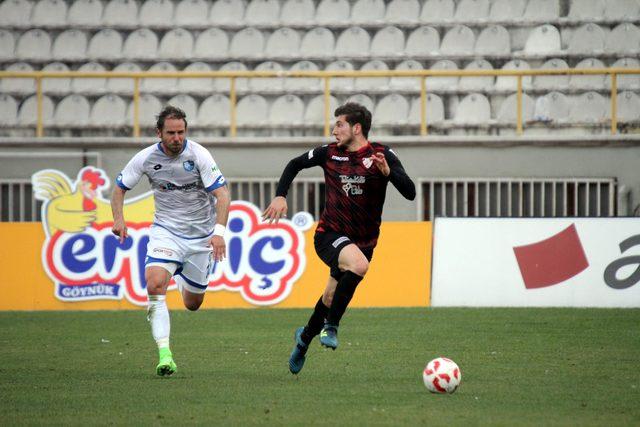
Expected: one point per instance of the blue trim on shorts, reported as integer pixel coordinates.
(192, 283)
(149, 259)
(181, 236)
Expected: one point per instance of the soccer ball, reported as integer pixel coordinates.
(442, 375)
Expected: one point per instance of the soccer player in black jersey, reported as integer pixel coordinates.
(356, 174)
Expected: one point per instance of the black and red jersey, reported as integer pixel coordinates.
(355, 188)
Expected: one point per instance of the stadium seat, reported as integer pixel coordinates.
(552, 107)
(434, 113)
(15, 13)
(34, 45)
(283, 43)
(297, 12)
(191, 13)
(73, 111)
(406, 83)
(353, 42)
(553, 81)
(187, 104)
(389, 42)
(200, 85)
(472, 10)
(474, 109)
(247, 43)
(214, 111)
(587, 39)
(267, 84)
(363, 100)
(318, 43)
(493, 40)
(507, 10)
(105, 44)
(70, 45)
(341, 83)
(586, 10)
(437, 11)
(7, 45)
(625, 81)
(620, 10)
(402, 12)
(8, 110)
(91, 84)
(119, 13)
(252, 111)
(85, 13)
(507, 83)
(508, 112)
(364, 84)
(108, 111)
(176, 44)
(160, 84)
(476, 83)
(224, 85)
(423, 41)
(392, 110)
(459, 40)
(543, 40)
(28, 111)
(588, 81)
(148, 109)
(227, 13)
(156, 13)
(262, 12)
(314, 113)
(123, 85)
(303, 84)
(18, 85)
(542, 11)
(624, 39)
(443, 83)
(332, 12)
(628, 107)
(368, 12)
(141, 44)
(287, 110)
(590, 107)
(49, 13)
(58, 86)
(211, 44)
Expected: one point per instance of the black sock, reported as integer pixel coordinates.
(316, 322)
(344, 292)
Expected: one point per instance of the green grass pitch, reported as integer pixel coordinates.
(520, 367)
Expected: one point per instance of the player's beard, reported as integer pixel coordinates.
(173, 148)
(345, 143)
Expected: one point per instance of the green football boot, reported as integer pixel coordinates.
(166, 366)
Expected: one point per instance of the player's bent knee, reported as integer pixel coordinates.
(360, 267)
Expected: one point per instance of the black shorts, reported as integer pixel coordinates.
(328, 245)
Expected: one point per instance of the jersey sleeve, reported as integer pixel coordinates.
(132, 172)
(210, 173)
(315, 157)
(398, 176)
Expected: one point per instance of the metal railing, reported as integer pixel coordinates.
(422, 78)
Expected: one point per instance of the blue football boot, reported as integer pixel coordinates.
(329, 336)
(297, 358)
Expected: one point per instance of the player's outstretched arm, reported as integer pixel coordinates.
(399, 177)
(276, 210)
(117, 202)
(223, 201)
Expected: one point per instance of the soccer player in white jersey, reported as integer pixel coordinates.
(191, 210)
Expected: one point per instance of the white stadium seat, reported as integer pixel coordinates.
(434, 113)
(176, 44)
(105, 44)
(587, 39)
(446, 82)
(57, 86)
(625, 81)
(552, 107)
(141, 44)
(437, 11)
(406, 83)
(586, 10)
(224, 85)
(148, 109)
(367, 12)
(156, 13)
(8, 110)
(262, 12)
(624, 39)
(363, 100)
(389, 42)
(392, 110)
(509, 83)
(283, 43)
(198, 85)
(160, 84)
(620, 10)
(267, 84)
(15, 13)
(73, 110)
(247, 43)
(192, 13)
(86, 13)
(507, 10)
(543, 40)
(474, 109)
(287, 110)
(332, 12)
(341, 83)
(18, 85)
(34, 45)
(187, 104)
(70, 45)
(475, 83)
(508, 112)
(542, 10)
(402, 12)
(318, 43)
(303, 84)
(108, 111)
(590, 107)
(628, 107)
(227, 12)
(28, 111)
(119, 13)
(459, 40)
(314, 113)
(353, 42)
(472, 10)
(252, 111)
(212, 44)
(493, 40)
(49, 13)
(123, 85)
(364, 84)
(297, 12)
(588, 81)
(7, 45)
(91, 84)
(423, 41)
(553, 81)
(214, 111)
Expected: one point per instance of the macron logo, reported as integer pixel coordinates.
(340, 159)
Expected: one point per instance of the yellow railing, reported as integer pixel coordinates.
(421, 75)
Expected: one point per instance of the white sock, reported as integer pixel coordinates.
(158, 315)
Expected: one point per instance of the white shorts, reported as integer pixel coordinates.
(187, 260)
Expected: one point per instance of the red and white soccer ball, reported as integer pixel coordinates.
(442, 375)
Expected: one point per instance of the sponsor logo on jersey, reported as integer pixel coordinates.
(339, 158)
(157, 167)
(350, 184)
(188, 165)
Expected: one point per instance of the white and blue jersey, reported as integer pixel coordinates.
(181, 186)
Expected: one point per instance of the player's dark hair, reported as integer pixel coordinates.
(170, 112)
(356, 113)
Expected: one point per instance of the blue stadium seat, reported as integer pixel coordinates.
(85, 13)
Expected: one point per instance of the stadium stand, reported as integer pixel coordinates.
(177, 45)
(303, 84)
(16, 13)
(192, 13)
(211, 45)
(318, 43)
(422, 42)
(196, 85)
(214, 111)
(284, 43)
(141, 44)
(49, 13)
(474, 109)
(89, 85)
(437, 11)
(122, 85)
(156, 13)
(405, 83)
(105, 45)
(388, 42)
(188, 105)
(434, 113)
(120, 13)
(108, 111)
(331, 12)
(7, 45)
(70, 45)
(402, 12)
(628, 105)
(8, 110)
(314, 113)
(459, 40)
(297, 12)
(72, 111)
(59, 85)
(147, 110)
(27, 112)
(368, 12)
(366, 84)
(227, 13)
(161, 85)
(262, 12)
(85, 13)
(34, 45)
(247, 44)
(354, 42)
